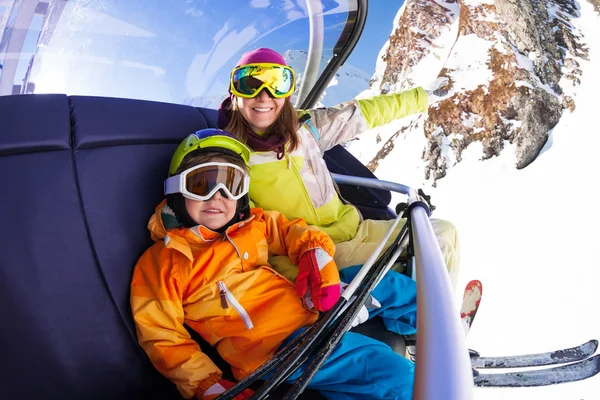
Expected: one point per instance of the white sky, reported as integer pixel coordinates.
(531, 236)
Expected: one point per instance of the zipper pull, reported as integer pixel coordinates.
(223, 295)
(289, 161)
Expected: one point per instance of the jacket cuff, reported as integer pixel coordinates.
(312, 246)
(203, 385)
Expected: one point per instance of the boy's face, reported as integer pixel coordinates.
(213, 213)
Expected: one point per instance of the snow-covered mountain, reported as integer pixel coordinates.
(513, 66)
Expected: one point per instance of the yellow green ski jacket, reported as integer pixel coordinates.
(300, 186)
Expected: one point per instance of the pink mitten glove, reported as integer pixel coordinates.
(310, 281)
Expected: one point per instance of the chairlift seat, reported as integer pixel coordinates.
(81, 176)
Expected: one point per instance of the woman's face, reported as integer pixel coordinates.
(261, 111)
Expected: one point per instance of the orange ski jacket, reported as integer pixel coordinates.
(222, 286)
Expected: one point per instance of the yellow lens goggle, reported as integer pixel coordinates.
(247, 81)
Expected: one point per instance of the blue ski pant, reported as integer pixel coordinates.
(362, 368)
(397, 295)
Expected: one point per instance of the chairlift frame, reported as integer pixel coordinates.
(442, 368)
(443, 357)
(442, 351)
(355, 24)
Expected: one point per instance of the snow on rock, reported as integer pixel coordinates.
(512, 67)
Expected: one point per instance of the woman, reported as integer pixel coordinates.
(287, 169)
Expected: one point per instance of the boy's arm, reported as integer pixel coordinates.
(312, 250)
(293, 238)
(156, 304)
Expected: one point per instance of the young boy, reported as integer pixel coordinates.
(209, 270)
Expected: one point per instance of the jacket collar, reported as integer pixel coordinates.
(208, 235)
(164, 226)
(181, 239)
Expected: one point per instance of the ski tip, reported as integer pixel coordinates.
(473, 285)
(588, 348)
(475, 288)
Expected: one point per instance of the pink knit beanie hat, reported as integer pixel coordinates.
(261, 55)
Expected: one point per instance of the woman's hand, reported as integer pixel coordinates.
(436, 90)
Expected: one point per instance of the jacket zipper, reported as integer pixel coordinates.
(228, 298)
(316, 136)
(312, 171)
(299, 176)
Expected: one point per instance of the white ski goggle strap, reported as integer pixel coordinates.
(201, 182)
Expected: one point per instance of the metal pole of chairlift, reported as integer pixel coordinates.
(315, 49)
(346, 43)
(4, 19)
(443, 369)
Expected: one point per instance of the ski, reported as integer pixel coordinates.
(542, 377)
(562, 356)
(470, 304)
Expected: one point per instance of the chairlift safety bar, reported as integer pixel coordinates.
(443, 368)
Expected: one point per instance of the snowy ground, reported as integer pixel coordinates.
(531, 236)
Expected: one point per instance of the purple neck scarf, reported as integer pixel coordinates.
(253, 140)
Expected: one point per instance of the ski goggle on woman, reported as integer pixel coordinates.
(248, 80)
(201, 182)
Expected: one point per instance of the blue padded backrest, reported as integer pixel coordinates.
(80, 176)
(122, 162)
(44, 126)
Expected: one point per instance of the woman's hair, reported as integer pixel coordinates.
(285, 126)
(202, 156)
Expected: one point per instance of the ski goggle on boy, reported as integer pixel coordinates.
(248, 80)
(201, 182)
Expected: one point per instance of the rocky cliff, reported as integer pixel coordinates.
(511, 64)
